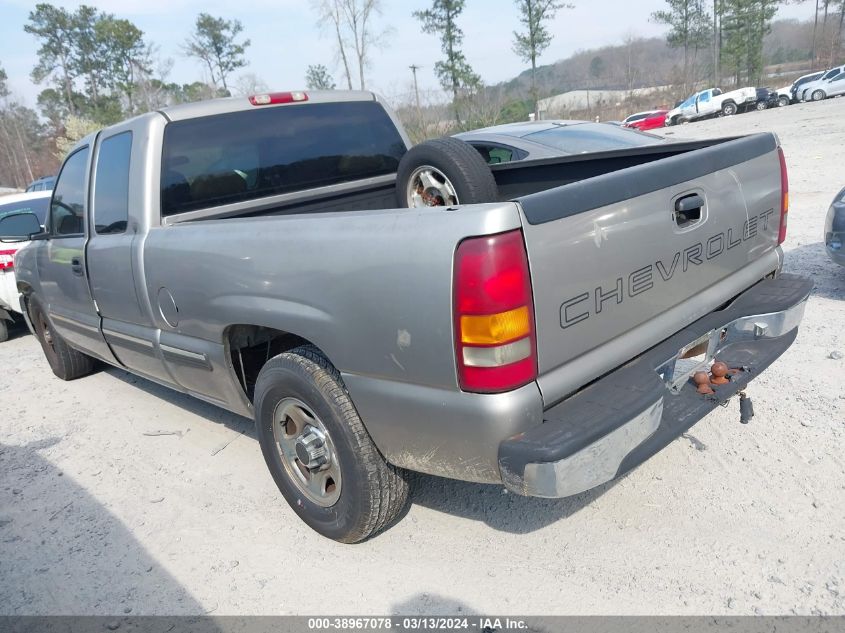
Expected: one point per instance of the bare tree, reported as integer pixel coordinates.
(352, 23)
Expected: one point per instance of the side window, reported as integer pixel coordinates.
(111, 186)
(705, 97)
(494, 154)
(67, 209)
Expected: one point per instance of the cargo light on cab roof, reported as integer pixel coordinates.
(272, 98)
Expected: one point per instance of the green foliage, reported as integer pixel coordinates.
(514, 111)
(530, 44)
(597, 67)
(690, 28)
(455, 73)
(75, 129)
(91, 48)
(317, 77)
(213, 42)
(745, 23)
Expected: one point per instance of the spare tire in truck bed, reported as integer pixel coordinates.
(444, 172)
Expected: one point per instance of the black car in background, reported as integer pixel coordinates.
(766, 98)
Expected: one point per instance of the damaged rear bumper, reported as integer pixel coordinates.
(630, 414)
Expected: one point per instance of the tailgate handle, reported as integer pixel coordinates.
(688, 209)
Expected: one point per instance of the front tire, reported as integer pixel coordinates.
(818, 95)
(66, 362)
(320, 455)
(783, 101)
(4, 330)
(760, 106)
(729, 109)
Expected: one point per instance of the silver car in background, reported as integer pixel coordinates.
(549, 139)
(830, 84)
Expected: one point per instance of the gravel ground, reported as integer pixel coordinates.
(100, 513)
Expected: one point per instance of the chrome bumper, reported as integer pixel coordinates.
(628, 415)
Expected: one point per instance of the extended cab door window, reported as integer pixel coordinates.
(111, 185)
(67, 209)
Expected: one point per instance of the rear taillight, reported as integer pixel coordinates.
(495, 341)
(272, 98)
(7, 260)
(784, 196)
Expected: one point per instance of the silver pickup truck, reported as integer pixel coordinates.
(379, 309)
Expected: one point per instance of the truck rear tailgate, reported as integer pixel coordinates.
(622, 261)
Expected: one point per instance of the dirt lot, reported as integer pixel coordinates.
(100, 513)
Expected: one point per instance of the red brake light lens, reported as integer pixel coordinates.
(495, 340)
(7, 260)
(273, 98)
(784, 196)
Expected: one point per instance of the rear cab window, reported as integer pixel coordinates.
(241, 156)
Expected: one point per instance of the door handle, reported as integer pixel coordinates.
(689, 203)
(76, 266)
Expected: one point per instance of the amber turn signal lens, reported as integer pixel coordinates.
(494, 329)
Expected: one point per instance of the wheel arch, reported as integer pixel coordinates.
(249, 346)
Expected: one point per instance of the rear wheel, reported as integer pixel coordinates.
(444, 172)
(783, 101)
(819, 95)
(319, 453)
(66, 362)
(729, 109)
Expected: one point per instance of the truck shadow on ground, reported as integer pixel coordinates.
(812, 260)
(192, 405)
(492, 505)
(487, 503)
(62, 552)
(17, 329)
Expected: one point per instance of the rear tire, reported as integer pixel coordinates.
(444, 172)
(729, 108)
(818, 95)
(783, 101)
(4, 330)
(66, 362)
(354, 492)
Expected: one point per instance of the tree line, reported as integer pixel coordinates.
(723, 40)
(96, 68)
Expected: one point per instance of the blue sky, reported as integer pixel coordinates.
(286, 38)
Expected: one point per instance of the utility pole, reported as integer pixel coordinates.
(414, 68)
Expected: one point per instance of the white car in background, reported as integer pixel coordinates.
(38, 203)
(712, 102)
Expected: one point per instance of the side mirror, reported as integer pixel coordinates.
(19, 227)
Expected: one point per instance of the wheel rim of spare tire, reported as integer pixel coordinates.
(429, 187)
(307, 452)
